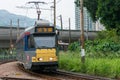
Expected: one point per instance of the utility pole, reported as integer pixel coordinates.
(61, 22)
(61, 25)
(69, 31)
(82, 32)
(52, 12)
(55, 14)
(11, 44)
(18, 30)
(10, 33)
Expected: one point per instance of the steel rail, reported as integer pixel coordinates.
(11, 78)
(79, 76)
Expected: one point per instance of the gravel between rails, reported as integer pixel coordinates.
(11, 70)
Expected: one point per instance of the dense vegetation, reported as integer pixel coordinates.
(105, 67)
(102, 56)
(5, 54)
(106, 44)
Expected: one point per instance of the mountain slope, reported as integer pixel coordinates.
(5, 18)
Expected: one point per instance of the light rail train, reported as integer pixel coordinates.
(37, 47)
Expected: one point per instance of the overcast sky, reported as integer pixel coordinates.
(64, 7)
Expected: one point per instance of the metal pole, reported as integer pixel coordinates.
(82, 32)
(51, 12)
(69, 31)
(18, 30)
(87, 26)
(61, 22)
(38, 16)
(10, 33)
(61, 25)
(55, 14)
(11, 44)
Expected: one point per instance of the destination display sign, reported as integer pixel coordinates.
(44, 29)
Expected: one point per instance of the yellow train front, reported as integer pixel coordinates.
(36, 47)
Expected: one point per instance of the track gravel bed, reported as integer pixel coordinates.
(11, 70)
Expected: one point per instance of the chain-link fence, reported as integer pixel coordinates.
(7, 54)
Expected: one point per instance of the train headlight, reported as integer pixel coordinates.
(51, 58)
(40, 59)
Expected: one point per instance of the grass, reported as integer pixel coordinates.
(105, 67)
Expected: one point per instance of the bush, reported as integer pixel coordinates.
(75, 46)
(106, 44)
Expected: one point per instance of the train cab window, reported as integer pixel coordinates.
(31, 42)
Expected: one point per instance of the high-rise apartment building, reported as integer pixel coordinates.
(88, 23)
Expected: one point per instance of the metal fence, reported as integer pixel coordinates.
(6, 55)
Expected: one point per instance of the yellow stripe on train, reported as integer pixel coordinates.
(45, 55)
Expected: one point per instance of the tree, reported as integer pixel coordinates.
(91, 6)
(109, 14)
(107, 11)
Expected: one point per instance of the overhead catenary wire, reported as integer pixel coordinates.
(46, 7)
(36, 3)
(53, 2)
(24, 7)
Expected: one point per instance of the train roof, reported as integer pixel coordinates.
(39, 23)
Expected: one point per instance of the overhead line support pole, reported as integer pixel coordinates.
(18, 30)
(61, 25)
(55, 14)
(69, 31)
(10, 33)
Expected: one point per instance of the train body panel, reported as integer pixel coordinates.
(45, 55)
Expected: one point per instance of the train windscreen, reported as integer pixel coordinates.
(44, 42)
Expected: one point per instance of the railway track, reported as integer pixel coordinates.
(77, 76)
(37, 74)
(64, 75)
(10, 78)
(52, 75)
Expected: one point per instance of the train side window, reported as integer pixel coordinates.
(31, 42)
(20, 44)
